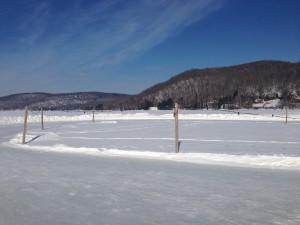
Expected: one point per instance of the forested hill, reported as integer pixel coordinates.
(234, 86)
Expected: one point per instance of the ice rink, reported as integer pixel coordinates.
(122, 169)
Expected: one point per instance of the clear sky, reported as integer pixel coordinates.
(126, 46)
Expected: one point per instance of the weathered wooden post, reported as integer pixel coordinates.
(25, 125)
(93, 114)
(286, 113)
(176, 128)
(42, 118)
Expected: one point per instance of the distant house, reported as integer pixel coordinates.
(295, 103)
(153, 108)
(296, 100)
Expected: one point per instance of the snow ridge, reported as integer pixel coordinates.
(252, 161)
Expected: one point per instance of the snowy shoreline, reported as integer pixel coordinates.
(17, 117)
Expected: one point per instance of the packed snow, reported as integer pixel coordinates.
(234, 167)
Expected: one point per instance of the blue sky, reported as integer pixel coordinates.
(126, 46)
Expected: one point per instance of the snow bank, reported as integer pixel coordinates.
(254, 161)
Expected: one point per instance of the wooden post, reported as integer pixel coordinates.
(286, 113)
(93, 114)
(176, 128)
(25, 125)
(42, 118)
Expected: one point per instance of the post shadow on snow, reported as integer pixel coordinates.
(32, 139)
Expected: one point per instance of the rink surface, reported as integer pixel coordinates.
(122, 169)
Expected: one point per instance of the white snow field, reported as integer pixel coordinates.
(234, 167)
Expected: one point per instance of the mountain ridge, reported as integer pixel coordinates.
(59, 101)
(238, 86)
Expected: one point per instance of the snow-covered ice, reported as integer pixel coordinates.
(234, 167)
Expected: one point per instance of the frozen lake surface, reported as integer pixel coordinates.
(233, 168)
